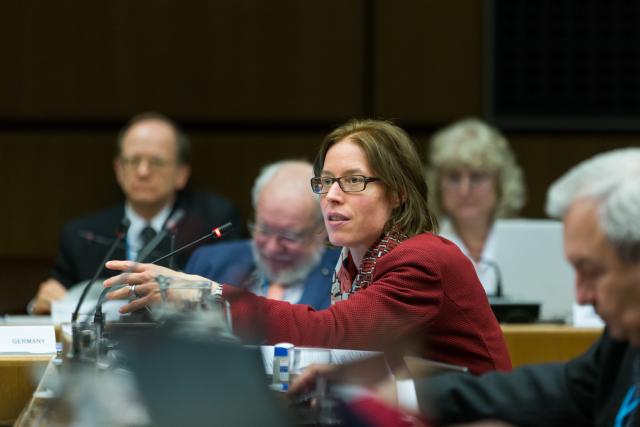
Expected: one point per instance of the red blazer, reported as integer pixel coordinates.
(425, 285)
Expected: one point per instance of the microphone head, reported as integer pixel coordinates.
(124, 224)
(174, 219)
(219, 231)
(216, 233)
(87, 235)
(123, 228)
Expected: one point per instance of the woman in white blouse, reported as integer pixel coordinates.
(474, 179)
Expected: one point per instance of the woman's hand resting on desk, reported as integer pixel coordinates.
(372, 373)
(139, 281)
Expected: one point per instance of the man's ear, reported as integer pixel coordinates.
(118, 171)
(182, 176)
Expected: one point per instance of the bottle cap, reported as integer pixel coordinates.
(282, 349)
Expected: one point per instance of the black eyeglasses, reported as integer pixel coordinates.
(154, 163)
(348, 184)
(287, 237)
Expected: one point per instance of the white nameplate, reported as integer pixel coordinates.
(27, 340)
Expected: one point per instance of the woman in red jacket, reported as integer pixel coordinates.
(395, 278)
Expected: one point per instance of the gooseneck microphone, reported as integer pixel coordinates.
(496, 270)
(91, 237)
(120, 234)
(172, 228)
(169, 227)
(75, 339)
(216, 233)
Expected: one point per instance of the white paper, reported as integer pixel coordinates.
(585, 316)
(61, 311)
(26, 320)
(305, 356)
(27, 340)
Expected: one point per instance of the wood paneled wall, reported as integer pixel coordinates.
(250, 81)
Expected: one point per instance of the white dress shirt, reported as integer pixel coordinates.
(138, 223)
(486, 267)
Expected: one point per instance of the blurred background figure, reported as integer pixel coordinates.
(152, 169)
(474, 179)
(286, 259)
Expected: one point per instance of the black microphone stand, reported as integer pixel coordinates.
(98, 317)
(75, 338)
(496, 269)
(172, 247)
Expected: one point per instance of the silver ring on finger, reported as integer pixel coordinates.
(132, 288)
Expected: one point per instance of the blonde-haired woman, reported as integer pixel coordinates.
(474, 179)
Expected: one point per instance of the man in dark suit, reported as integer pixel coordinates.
(152, 169)
(599, 201)
(286, 258)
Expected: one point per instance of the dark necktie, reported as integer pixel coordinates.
(146, 235)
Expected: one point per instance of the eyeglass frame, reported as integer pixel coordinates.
(338, 179)
(296, 238)
(134, 162)
(477, 179)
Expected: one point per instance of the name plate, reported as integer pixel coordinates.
(27, 340)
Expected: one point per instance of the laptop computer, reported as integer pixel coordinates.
(198, 381)
(529, 255)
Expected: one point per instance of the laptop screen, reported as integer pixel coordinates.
(188, 381)
(530, 257)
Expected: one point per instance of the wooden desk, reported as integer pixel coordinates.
(539, 343)
(18, 380)
(531, 343)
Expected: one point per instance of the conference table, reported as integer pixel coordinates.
(527, 343)
(540, 343)
(19, 375)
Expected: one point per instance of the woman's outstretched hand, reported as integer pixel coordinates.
(139, 281)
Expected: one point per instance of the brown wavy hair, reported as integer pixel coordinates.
(393, 158)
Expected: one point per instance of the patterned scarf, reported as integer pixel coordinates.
(342, 286)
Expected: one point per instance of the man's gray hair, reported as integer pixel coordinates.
(611, 179)
(269, 171)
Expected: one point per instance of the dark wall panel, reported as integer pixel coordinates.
(564, 64)
(227, 163)
(193, 59)
(428, 56)
(545, 157)
(19, 281)
(53, 176)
